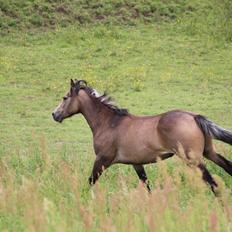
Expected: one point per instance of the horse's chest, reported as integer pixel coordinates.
(104, 145)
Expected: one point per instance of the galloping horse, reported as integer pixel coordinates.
(120, 137)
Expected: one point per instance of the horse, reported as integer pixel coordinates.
(121, 137)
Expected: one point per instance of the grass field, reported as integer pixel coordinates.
(149, 69)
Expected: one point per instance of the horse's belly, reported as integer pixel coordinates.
(139, 156)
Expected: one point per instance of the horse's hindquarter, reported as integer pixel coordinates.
(178, 131)
(138, 141)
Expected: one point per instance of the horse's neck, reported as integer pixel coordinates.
(96, 116)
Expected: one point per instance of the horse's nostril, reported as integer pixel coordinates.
(53, 115)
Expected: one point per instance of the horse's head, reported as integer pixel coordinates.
(70, 104)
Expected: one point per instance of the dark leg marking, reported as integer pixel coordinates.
(98, 168)
(206, 176)
(220, 161)
(142, 175)
(166, 156)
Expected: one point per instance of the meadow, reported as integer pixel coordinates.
(148, 68)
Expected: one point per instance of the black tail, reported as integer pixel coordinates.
(209, 128)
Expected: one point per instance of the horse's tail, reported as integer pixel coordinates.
(209, 128)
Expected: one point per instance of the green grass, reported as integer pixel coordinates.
(149, 69)
(48, 14)
(211, 18)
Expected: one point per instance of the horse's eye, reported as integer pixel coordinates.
(65, 98)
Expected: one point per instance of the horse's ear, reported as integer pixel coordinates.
(82, 83)
(72, 83)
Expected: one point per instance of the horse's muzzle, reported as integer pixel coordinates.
(57, 116)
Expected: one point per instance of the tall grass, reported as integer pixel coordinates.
(55, 197)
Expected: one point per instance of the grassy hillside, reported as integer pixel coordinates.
(45, 13)
(44, 166)
(207, 17)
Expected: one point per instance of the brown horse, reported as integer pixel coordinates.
(120, 137)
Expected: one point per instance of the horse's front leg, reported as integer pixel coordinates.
(99, 166)
(142, 175)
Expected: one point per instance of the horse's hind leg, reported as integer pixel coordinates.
(142, 175)
(194, 160)
(221, 161)
(206, 176)
(218, 159)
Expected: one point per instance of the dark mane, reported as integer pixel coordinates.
(105, 99)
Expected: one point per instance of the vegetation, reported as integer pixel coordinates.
(210, 17)
(149, 65)
(45, 13)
